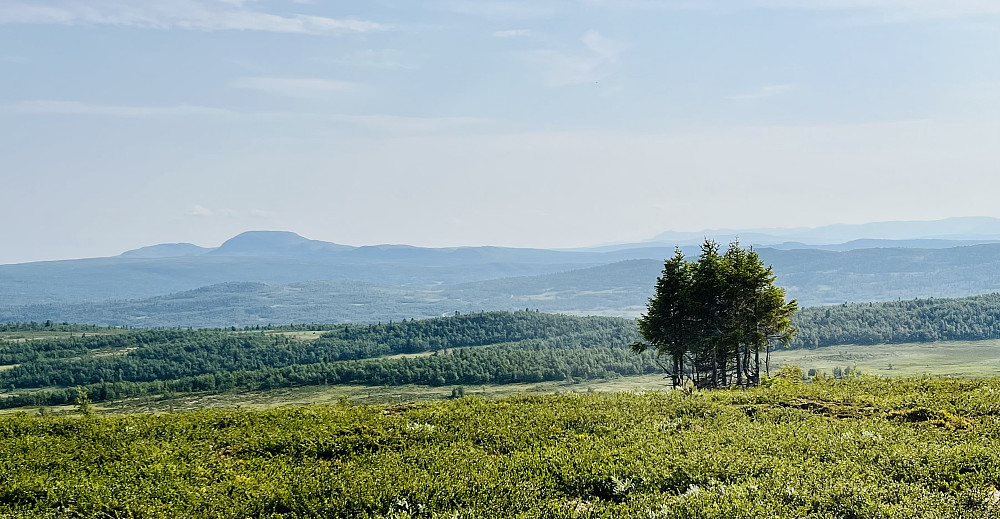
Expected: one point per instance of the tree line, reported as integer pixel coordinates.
(572, 359)
(490, 347)
(487, 347)
(894, 322)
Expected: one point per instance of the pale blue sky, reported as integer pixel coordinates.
(542, 123)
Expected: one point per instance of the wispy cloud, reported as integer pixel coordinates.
(295, 86)
(200, 15)
(376, 58)
(200, 211)
(906, 8)
(762, 92)
(498, 9)
(562, 69)
(889, 10)
(377, 122)
(45, 107)
(510, 33)
(403, 124)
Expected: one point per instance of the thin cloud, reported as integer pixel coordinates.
(889, 10)
(896, 8)
(389, 59)
(375, 122)
(45, 107)
(562, 69)
(395, 123)
(762, 92)
(294, 86)
(200, 211)
(198, 15)
(510, 33)
(498, 9)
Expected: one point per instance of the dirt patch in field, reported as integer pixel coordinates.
(938, 418)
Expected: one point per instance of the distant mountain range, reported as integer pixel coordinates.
(265, 277)
(948, 232)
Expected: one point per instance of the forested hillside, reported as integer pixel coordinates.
(917, 320)
(492, 347)
(43, 363)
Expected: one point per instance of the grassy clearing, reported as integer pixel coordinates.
(865, 447)
(410, 355)
(946, 358)
(954, 358)
(352, 394)
(300, 335)
(29, 335)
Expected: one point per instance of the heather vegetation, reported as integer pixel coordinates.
(858, 447)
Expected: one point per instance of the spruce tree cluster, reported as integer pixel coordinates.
(710, 319)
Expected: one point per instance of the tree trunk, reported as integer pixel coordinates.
(739, 368)
(756, 360)
(767, 359)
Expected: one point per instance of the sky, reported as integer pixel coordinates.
(535, 123)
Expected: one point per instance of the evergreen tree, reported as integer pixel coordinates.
(669, 324)
(718, 312)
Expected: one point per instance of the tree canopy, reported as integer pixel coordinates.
(709, 319)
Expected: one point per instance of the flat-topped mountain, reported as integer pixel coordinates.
(274, 243)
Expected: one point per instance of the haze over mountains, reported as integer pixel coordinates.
(949, 232)
(265, 277)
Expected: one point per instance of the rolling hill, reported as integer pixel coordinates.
(280, 277)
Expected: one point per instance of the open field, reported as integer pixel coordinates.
(353, 394)
(964, 359)
(945, 358)
(300, 335)
(867, 447)
(31, 335)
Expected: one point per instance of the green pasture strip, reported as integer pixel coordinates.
(944, 358)
(865, 447)
(24, 336)
(354, 394)
(299, 335)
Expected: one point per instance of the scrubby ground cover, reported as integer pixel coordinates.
(866, 447)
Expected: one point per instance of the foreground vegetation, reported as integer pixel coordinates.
(864, 447)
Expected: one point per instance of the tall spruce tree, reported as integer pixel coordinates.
(712, 317)
(669, 325)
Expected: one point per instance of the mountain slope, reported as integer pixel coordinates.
(813, 277)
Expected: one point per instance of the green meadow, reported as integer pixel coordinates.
(942, 358)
